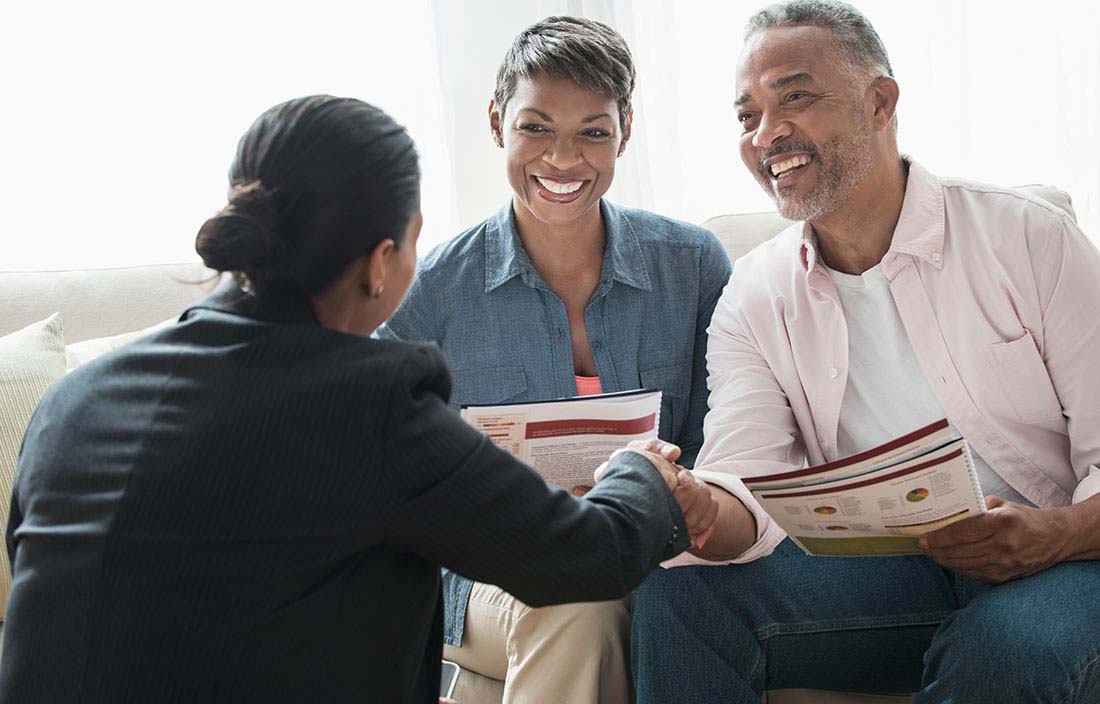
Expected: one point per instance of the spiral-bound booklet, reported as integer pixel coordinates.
(877, 502)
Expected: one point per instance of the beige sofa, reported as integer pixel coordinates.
(102, 309)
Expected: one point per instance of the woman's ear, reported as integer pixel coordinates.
(495, 118)
(626, 132)
(372, 273)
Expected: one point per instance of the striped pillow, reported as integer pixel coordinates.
(30, 360)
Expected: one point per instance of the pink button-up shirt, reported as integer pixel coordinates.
(999, 293)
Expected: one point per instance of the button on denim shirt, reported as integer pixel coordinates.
(506, 336)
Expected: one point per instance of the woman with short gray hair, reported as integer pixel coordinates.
(562, 293)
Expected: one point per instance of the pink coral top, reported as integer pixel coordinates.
(588, 385)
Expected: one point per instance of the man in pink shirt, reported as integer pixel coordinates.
(900, 298)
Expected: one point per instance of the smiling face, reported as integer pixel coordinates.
(561, 143)
(806, 125)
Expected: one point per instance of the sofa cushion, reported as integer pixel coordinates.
(740, 233)
(30, 360)
(101, 302)
(80, 353)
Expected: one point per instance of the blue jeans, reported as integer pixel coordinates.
(877, 625)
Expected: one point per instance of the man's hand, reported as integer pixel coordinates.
(1007, 542)
(698, 504)
(694, 496)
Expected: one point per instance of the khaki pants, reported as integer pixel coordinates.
(574, 653)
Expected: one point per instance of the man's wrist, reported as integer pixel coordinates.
(734, 529)
(1083, 529)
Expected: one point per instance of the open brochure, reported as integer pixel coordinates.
(565, 440)
(879, 501)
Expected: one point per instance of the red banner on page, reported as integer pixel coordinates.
(588, 426)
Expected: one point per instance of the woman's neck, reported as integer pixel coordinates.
(565, 250)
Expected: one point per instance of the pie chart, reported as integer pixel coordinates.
(825, 510)
(918, 494)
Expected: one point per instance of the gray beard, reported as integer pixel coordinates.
(844, 163)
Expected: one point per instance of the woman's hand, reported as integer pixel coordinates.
(694, 496)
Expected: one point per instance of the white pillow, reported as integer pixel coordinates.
(30, 360)
(80, 353)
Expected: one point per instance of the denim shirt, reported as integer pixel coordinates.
(506, 337)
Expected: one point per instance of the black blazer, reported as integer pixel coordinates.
(249, 507)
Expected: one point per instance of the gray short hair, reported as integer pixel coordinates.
(852, 30)
(589, 53)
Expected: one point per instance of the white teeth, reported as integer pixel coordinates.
(789, 164)
(560, 188)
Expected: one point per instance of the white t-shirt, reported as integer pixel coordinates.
(887, 394)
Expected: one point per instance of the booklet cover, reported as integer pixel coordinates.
(565, 440)
(877, 502)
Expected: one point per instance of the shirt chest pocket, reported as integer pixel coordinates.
(1024, 379)
(488, 385)
(674, 381)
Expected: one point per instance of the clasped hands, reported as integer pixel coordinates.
(693, 495)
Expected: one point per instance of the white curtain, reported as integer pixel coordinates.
(119, 119)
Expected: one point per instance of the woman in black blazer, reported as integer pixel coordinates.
(253, 505)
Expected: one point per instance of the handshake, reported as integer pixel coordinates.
(694, 496)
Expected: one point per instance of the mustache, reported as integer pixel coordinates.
(808, 147)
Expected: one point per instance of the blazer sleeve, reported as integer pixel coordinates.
(15, 512)
(475, 509)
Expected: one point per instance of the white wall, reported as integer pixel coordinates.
(119, 119)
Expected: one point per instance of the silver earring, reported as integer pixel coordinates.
(378, 291)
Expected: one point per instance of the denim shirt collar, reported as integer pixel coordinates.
(506, 258)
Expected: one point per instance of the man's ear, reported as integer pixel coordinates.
(884, 101)
(626, 132)
(495, 118)
(372, 273)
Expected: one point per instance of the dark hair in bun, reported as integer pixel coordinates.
(317, 182)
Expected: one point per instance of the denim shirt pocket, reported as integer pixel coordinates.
(1026, 383)
(674, 381)
(487, 384)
